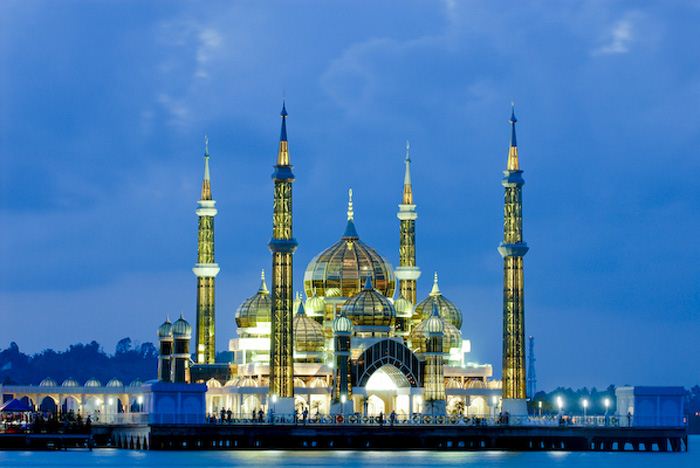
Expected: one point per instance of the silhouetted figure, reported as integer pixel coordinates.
(305, 415)
(260, 415)
(253, 418)
(392, 417)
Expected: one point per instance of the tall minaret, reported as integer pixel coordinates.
(206, 270)
(531, 376)
(513, 249)
(407, 273)
(282, 245)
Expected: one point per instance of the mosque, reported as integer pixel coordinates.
(360, 341)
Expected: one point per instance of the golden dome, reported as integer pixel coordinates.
(308, 333)
(369, 308)
(342, 268)
(452, 337)
(315, 305)
(182, 328)
(403, 307)
(166, 329)
(256, 308)
(446, 308)
(341, 324)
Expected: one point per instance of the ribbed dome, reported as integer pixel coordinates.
(69, 382)
(93, 383)
(308, 333)
(115, 383)
(342, 324)
(447, 309)
(255, 309)
(369, 308)
(166, 329)
(452, 338)
(136, 383)
(47, 382)
(182, 328)
(315, 305)
(345, 265)
(403, 307)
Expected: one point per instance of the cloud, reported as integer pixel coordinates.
(619, 39)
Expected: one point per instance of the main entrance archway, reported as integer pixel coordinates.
(387, 353)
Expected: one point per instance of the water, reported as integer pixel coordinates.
(274, 458)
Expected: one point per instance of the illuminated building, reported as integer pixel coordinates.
(513, 249)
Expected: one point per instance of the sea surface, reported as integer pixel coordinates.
(274, 458)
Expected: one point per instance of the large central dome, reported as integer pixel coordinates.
(343, 268)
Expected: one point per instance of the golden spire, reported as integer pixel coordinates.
(513, 161)
(206, 183)
(407, 187)
(263, 284)
(283, 154)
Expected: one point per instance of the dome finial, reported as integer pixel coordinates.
(350, 231)
(351, 211)
(407, 186)
(300, 308)
(436, 311)
(368, 283)
(263, 284)
(206, 183)
(283, 153)
(436, 289)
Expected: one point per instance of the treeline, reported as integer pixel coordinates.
(81, 362)
(573, 400)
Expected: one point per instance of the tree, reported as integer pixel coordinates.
(123, 346)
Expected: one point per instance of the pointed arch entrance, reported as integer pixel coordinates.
(383, 353)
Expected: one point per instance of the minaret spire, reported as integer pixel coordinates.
(350, 230)
(513, 161)
(282, 245)
(206, 270)
(407, 187)
(513, 249)
(283, 153)
(206, 182)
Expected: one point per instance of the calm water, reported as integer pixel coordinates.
(270, 459)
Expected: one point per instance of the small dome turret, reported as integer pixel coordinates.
(308, 333)
(369, 308)
(342, 324)
(403, 307)
(47, 382)
(166, 329)
(70, 382)
(257, 308)
(93, 383)
(182, 328)
(434, 325)
(315, 305)
(115, 383)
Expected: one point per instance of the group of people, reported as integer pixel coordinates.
(43, 422)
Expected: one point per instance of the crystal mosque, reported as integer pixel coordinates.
(360, 341)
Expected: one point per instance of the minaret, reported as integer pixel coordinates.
(407, 273)
(282, 245)
(206, 270)
(434, 370)
(531, 376)
(513, 249)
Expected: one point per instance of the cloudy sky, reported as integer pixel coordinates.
(104, 105)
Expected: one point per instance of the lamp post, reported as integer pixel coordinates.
(139, 400)
(585, 408)
(343, 399)
(606, 403)
(539, 407)
(274, 400)
(494, 403)
(560, 405)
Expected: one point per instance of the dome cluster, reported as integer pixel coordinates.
(446, 308)
(180, 329)
(369, 308)
(308, 333)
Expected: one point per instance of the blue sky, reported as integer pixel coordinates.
(103, 108)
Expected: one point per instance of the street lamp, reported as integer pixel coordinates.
(139, 400)
(539, 406)
(560, 404)
(585, 407)
(343, 399)
(494, 403)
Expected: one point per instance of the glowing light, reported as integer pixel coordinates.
(274, 398)
(381, 381)
(560, 403)
(606, 402)
(139, 399)
(110, 401)
(494, 400)
(585, 403)
(539, 404)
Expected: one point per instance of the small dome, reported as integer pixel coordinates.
(308, 333)
(231, 383)
(47, 382)
(255, 309)
(115, 383)
(341, 269)
(182, 328)
(447, 309)
(342, 324)
(369, 308)
(247, 382)
(93, 383)
(315, 305)
(403, 307)
(434, 325)
(166, 329)
(69, 382)
(451, 337)
(136, 383)
(213, 383)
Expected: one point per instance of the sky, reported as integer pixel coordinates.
(104, 107)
